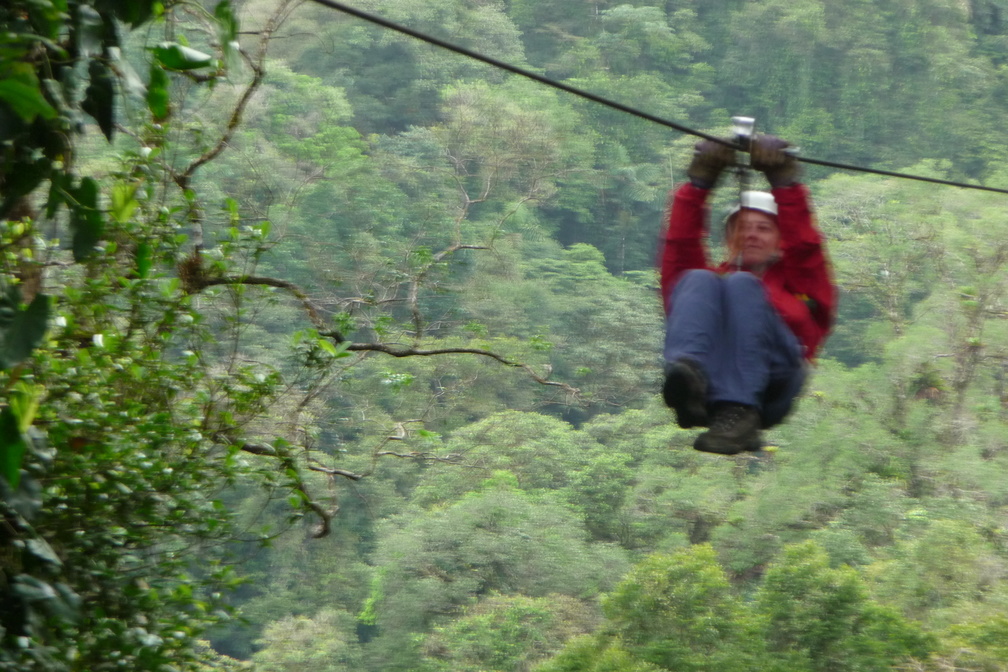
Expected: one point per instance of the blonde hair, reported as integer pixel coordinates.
(733, 240)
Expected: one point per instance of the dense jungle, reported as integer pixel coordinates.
(324, 348)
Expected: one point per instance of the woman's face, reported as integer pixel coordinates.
(758, 237)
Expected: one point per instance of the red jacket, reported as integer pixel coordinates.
(799, 285)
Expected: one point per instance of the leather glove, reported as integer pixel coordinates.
(767, 154)
(709, 161)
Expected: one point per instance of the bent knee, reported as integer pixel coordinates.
(743, 283)
(697, 282)
(742, 279)
(699, 277)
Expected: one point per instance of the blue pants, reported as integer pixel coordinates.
(726, 325)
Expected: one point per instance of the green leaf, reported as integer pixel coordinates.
(157, 93)
(99, 100)
(227, 34)
(24, 401)
(25, 332)
(175, 56)
(129, 81)
(86, 223)
(123, 201)
(48, 16)
(58, 601)
(43, 551)
(26, 100)
(336, 351)
(32, 589)
(227, 24)
(12, 448)
(144, 259)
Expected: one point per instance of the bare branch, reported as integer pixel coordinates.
(325, 516)
(259, 449)
(414, 291)
(401, 433)
(455, 248)
(313, 310)
(325, 526)
(257, 64)
(420, 352)
(182, 179)
(335, 472)
(425, 457)
(314, 313)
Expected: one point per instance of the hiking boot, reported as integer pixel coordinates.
(685, 391)
(734, 428)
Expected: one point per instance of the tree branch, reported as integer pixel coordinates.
(414, 290)
(325, 516)
(336, 472)
(420, 352)
(313, 310)
(258, 67)
(198, 282)
(426, 457)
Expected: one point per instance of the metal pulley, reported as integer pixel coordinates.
(743, 131)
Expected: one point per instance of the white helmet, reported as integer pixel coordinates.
(755, 200)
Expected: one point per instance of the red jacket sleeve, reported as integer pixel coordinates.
(801, 283)
(682, 245)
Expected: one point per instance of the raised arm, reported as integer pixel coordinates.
(804, 262)
(682, 245)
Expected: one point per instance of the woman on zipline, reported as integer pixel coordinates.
(739, 335)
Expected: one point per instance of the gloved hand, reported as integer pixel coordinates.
(709, 160)
(767, 154)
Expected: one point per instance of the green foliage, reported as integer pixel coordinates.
(670, 505)
(544, 454)
(495, 541)
(507, 633)
(942, 567)
(394, 79)
(822, 619)
(587, 655)
(678, 612)
(46, 52)
(570, 293)
(980, 645)
(324, 642)
(117, 438)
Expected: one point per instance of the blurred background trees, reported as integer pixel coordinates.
(323, 348)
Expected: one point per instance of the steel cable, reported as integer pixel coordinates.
(587, 95)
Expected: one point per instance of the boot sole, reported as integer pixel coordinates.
(706, 443)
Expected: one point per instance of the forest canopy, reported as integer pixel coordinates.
(324, 348)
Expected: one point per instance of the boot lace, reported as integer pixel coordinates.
(728, 417)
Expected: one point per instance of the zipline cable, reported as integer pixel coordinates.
(587, 95)
(511, 68)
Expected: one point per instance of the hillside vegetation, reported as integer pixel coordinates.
(326, 349)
